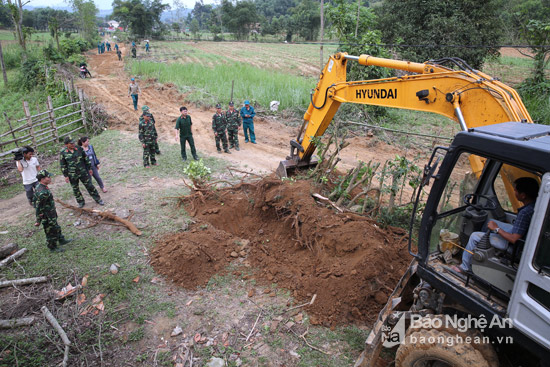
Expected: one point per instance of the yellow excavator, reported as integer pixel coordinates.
(465, 95)
(498, 313)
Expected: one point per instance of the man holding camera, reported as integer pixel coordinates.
(46, 213)
(28, 165)
(76, 168)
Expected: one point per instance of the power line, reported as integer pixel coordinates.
(399, 131)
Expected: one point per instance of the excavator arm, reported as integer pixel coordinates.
(466, 96)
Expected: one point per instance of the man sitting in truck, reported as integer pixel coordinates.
(502, 234)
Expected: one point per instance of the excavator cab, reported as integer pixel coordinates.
(508, 286)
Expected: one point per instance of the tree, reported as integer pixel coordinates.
(239, 18)
(306, 19)
(195, 28)
(532, 24)
(16, 12)
(140, 16)
(54, 31)
(442, 28)
(85, 11)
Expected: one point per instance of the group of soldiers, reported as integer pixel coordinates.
(229, 121)
(101, 46)
(76, 168)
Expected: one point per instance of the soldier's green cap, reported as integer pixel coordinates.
(231, 103)
(43, 173)
(218, 106)
(145, 108)
(68, 140)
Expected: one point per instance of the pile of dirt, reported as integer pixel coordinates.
(278, 229)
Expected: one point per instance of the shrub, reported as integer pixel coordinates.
(31, 74)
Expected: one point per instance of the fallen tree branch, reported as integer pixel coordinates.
(254, 326)
(307, 343)
(52, 320)
(13, 323)
(7, 283)
(322, 198)
(104, 214)
(12, 258)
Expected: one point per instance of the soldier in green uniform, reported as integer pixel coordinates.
(145, 110)
(183, 124)
(148, 139)
(46, 213)
(233, 120)
(76, 168)
(219, 126)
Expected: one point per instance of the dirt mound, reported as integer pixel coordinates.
(278, 228)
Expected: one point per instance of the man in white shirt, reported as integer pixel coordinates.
(28, 166)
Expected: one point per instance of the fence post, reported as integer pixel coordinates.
(29, 122)
(11, 129)
(73, 90)
(51, 115)
(82, 108)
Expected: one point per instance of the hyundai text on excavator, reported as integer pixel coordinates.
(499, 313)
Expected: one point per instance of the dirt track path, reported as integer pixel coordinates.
(109, 86)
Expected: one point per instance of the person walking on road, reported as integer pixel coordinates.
(148, 138)
(183, 124)
(219, 126)
(147, 46)
(247, 113)
(145, 110)
(119, 54)
(84, 142)
(134, 90)
(233, 119)
(134, 52)
(77, 168)
(46, 213)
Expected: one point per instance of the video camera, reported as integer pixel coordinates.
(18, 154)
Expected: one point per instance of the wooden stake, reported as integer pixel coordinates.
(51, 116)
(3, 67)
(82, 107)
(29, 122)
(11, 129)
(232, 85)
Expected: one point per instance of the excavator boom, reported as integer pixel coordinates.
(464, 95)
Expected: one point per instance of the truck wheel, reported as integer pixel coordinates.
(486, 349)
(437, 349)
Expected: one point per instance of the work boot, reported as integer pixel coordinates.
(219, 150)
(196, 158)
(100, 202)
(56, 249)
(227, 151)
(254, 142)
(232, 147)
(237, 149)
(64, 241)
(81, 205)
(184, 158)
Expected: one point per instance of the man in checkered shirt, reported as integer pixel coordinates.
(526, 190)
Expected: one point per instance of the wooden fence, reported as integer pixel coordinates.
(43, 127)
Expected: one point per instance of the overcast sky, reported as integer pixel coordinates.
(107, 4)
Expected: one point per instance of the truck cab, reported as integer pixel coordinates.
(511, 284)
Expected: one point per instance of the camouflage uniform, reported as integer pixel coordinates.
(148, 136)
(47, 215)
(233, 120)
(76, 166)
(219, 127)
(157, 149)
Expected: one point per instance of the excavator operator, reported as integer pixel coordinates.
(502, 234)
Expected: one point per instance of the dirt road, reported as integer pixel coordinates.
(109, 86)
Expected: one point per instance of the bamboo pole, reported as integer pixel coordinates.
(51, 115)
(82, 108)
(13, 323)
(53, 321)
(29, 121)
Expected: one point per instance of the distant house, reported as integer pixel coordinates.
(113, 24)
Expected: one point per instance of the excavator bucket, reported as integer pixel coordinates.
(289, 166)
